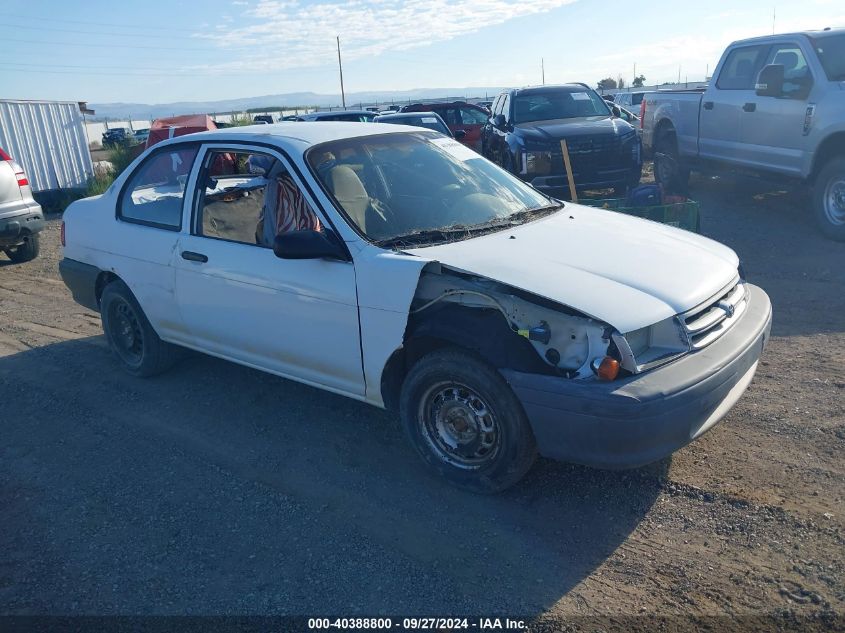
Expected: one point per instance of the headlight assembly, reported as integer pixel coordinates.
(651, 346)
(536, 163)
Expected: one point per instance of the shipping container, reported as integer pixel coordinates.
(48, 139)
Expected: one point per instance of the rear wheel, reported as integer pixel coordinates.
(130, 335)
(829, 199)
(25, 252)
(669, 170)
(465, 422)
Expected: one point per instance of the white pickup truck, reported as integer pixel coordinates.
(775, 108)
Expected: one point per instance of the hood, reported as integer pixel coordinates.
(557, 129)
(619, 269)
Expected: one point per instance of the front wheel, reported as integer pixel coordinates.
(465, 422)
(829, 199)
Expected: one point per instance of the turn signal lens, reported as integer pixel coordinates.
(608, 368)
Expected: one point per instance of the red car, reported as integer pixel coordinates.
(458, 115)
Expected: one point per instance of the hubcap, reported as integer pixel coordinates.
(126, 332)
(834, 201)
(459, 426)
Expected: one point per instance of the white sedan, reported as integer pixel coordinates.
(395, 266)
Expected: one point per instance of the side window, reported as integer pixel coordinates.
(250, 200)
(797, 79)
(471, 116)
(740, 69)
(155, 191)
(451, 116)
(506, 107)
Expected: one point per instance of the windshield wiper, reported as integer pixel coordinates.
(448, 233)
(427, 235)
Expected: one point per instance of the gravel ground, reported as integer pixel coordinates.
(216, 489)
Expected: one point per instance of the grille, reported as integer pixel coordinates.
(711, 320)
(592, 152)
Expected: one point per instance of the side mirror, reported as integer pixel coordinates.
(616, 112)
(499, 120)
(309, 244)
(770, 81)
(459, 134)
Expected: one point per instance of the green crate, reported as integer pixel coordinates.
(683, 215)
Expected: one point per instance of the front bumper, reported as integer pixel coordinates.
(640, 419)
(13, 228)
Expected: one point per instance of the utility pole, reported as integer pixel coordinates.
(340, 67)
(543, 70)
(774, 15)
(635, 74)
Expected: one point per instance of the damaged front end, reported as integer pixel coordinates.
(511, 328)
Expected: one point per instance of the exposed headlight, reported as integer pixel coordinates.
(652, 346)
(536, 163)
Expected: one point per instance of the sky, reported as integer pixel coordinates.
(161, 51)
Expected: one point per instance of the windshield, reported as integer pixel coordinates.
(557, 104)
(415, 187)
(831, 52)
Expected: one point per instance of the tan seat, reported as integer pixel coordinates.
(349, 191)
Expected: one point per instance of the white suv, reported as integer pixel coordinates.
(398, 267)
(21, 218)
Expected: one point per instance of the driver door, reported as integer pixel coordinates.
(295, 318)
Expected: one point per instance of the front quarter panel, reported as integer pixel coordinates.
(386, 283)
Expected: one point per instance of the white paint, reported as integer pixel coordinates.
(624, 271)
(300, 319)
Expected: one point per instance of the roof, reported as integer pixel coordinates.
(549, 87)
(780, 36)
(302, 132)
(335, 113)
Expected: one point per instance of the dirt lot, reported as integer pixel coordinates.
(216, 489)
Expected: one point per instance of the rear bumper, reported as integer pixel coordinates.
(81, 280)
(641, 419)
(14, 227)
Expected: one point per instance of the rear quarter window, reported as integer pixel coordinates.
(154, 193)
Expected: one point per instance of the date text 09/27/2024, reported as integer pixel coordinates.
(417, 623)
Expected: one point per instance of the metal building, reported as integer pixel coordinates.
(48, 139)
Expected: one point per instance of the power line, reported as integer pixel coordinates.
(145, 26)
(83, 32)
(133, 46)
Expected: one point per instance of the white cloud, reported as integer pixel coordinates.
(284, 34)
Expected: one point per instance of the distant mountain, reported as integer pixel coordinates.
(139, 111)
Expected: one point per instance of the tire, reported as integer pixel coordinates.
(669, 170)
(507, 161)
(829, 199)
(27, 251)
(465, 422)
(131, 337)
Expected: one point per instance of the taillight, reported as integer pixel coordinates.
(63, 233)
(19, 173)
(642, 113)
(4, 155)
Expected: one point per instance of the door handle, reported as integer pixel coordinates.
(749, 107)
(194, 257)
(708, 105)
